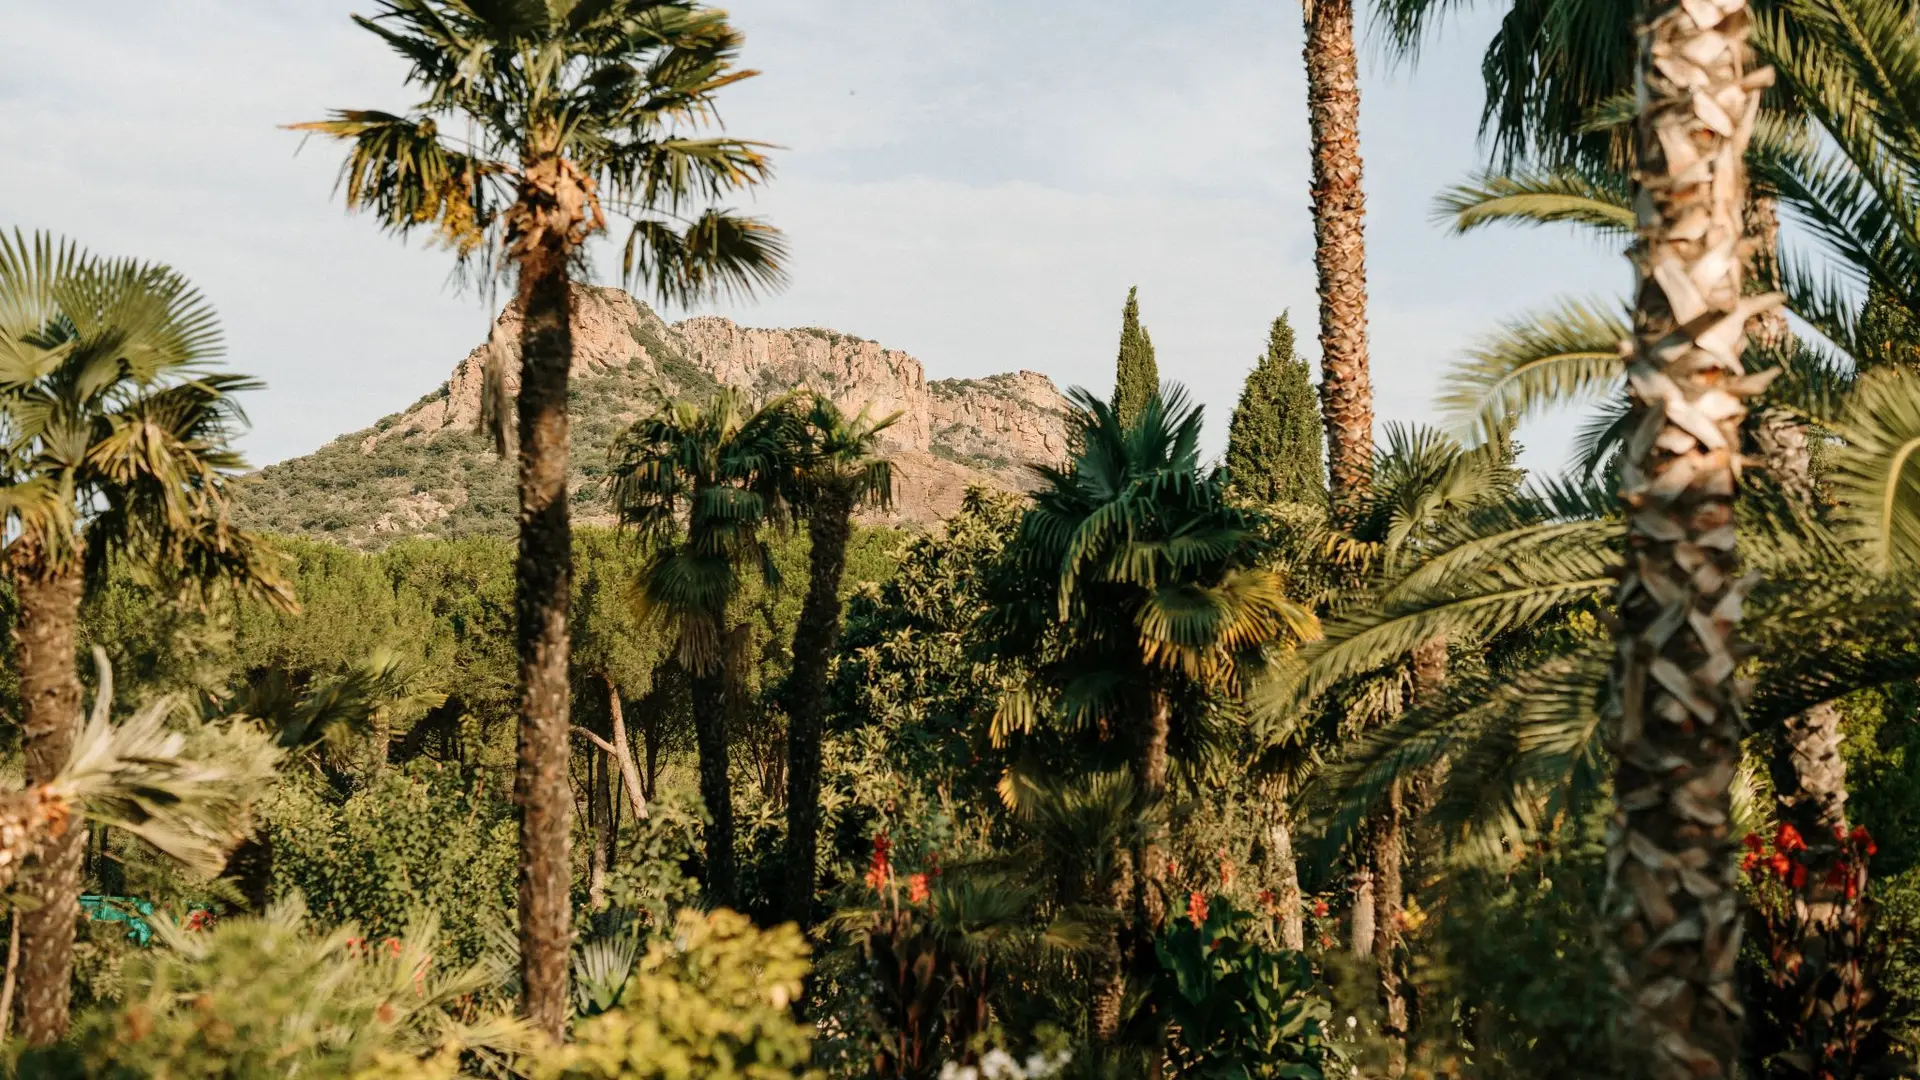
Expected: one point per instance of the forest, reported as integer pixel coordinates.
(1348, 753)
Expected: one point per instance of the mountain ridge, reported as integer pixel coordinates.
(426, 470)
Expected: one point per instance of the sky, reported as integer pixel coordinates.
(976, 182)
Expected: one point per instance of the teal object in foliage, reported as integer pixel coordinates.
(127, 909)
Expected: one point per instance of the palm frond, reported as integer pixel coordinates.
(1591, 198)
(1568, 353)
(1876, 469)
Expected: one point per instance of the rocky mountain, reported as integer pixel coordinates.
(427, 471)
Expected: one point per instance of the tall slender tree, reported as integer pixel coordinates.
(1340, 250)
(840, 469)
(114, 443)
(704, 481)
(1275, 449)
(1675, 704)
(1136, 377)
(539, 117)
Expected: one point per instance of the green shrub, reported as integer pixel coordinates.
(711, 1004)
(420, 837)
(270, 997)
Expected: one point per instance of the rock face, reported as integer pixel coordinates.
(428, 472)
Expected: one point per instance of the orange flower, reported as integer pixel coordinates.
(1320, 909)
(917, 888)
(880, 867)
(1197, 908)
(1781, 865)
(1788, 839)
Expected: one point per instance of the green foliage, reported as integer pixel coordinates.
(421, 837)
(1511, 972)
(1275, 443)
(258, 998)
(1136, 376)
(1153, 578)
(1239, 1009)
(710, 1004)
(117, 427)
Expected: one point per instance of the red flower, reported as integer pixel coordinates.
(1750, 860)
(1860, 835)
(1266, 897)
(1788, 839)
(1751, 842)
(1781, 865)
(1197, 908)
(1320, 909)
(916, 888)
(880, 868)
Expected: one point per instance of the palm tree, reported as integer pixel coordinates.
(1674, 701)
(840, 469)
(724, 470)
(1145, 582)
(1340, 249)
(113, 444)
(539, 117)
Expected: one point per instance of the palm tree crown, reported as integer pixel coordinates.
(545, 115)
(114, 432)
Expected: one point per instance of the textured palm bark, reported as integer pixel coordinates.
(599, 826)
(1810, 778)
(45, 637)
(1675, 704)
(1389, 858)
(1283, 869)
(544, 578)
(716, 790)
(1361, 918)
(1340, 251)
(814, 640)
(1150, 887)
(1108, 975)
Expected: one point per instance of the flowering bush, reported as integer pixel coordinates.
(1238, 1008)
(1815, 987)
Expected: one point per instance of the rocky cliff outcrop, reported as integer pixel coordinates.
(427, 472)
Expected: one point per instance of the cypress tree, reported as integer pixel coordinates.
(1274, 440)
(1136, 377)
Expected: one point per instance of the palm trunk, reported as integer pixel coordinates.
(544, 574)
(1283, 870)
(1150, 886)
(710, 738)
(1108, 974)
(1340, 250)
(600, 824)
(1360, 895)
(45, 636)
(813, 644)
(1675, 705)
(1388, 859)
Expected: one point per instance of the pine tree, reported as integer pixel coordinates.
(1274, 442)
(1136, 377)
